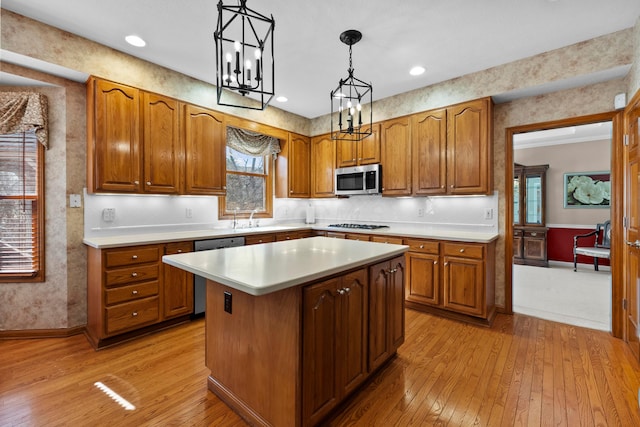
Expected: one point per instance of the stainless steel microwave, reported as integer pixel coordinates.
(358, 180)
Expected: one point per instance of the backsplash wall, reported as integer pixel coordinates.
(141, 214)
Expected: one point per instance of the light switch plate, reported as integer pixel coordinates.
(75, 201)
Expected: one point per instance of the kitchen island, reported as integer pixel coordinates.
(294, 327)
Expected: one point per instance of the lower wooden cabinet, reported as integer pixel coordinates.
(334, 342)
(452, 279)
(530, 246)
(130, 291)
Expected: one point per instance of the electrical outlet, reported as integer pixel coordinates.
(188, 212)
(227, 301)
(421, 212)
(108, 214)
(488, 213)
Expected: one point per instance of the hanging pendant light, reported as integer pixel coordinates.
(244, 56)
(351, 101)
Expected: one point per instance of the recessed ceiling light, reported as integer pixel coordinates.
(135, 40)
(282, 99)
(417, 70)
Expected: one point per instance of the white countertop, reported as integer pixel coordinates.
(269, 267)
(420, 232)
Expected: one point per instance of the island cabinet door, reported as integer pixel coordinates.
(334, 343)
(386, 310)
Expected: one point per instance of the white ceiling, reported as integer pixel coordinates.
(450, 38)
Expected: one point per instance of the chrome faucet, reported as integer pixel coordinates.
(235, 220)
(251, 217)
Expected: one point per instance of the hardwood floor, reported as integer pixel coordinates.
(522, 371)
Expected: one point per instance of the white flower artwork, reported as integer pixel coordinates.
(587, 189)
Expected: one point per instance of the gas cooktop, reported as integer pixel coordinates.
(359, 226)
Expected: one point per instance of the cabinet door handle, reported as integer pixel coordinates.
(134, 314)
(134, 274)
(435, 262)
(134, 292)
(148, 182)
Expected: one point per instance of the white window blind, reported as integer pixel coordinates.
(19, 205)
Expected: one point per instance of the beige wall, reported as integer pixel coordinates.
(634, 74)
(580, 157)
(60, 302)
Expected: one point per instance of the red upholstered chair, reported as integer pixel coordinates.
(600, 249)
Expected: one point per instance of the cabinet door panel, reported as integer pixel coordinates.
(369, 148)
(379, 349)
(429, 144)
(116, 142)
(346, 153)
(205, 145)
(322, 169)
(163, 152)
(423, 278)
(352, 331)
(468, 149)
(177, 284)
(395, 301)
(319, 381)
(464, 285)
(395, 148)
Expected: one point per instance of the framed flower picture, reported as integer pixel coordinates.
(587, 189)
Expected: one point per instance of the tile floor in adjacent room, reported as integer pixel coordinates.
(557, 293)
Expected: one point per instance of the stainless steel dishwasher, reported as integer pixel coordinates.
(200, 283)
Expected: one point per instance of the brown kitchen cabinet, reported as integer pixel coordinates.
(452, 149)
(177, 284)
(323, 152)
(205, 135)
(387, 239)
(358, 236)
(126, 293)
(113, 137)
(452, 279)
(395, 157)
(255, 239)
(293, 235)
(141, 142)
(334, 350)
(293, 178)
(163, 147)
(386, 310)
(356, 153)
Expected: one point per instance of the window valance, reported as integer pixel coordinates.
(22, 112)
(252, 143)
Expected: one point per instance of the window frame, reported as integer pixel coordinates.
(223, 213)
(38, 225)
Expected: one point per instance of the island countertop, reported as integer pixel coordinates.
(270, 267)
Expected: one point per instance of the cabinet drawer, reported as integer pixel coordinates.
(260, 238)
(423, 246)
(131, 292)
(178, 248)
(464, 250)
(123, 276)
(535, 234)
(130, 315)
(357, 236)
(130, 256)
(387, 239)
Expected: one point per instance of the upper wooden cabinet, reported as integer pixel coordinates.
(323, 152)
(429, 145)
(355, 153)
(113, 133)
(452, 149)
(162, 145)
(141, 142)
(293, 178)
(205, 144)
(395, 157)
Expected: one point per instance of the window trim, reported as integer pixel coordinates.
(39, 223)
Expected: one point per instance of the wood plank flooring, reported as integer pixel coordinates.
(521, 372)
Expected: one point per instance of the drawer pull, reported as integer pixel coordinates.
(134, 292)
(134, 274)
(534, 234)
(462, 250)
(179, 251)
(134, 257)
(421, 246)
(134, 314)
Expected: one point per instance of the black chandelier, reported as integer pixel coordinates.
(351, 102)
(244, 56)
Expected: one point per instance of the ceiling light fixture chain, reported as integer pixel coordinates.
(347, 100)
(244, 56)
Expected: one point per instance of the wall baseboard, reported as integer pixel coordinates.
(41, 333)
